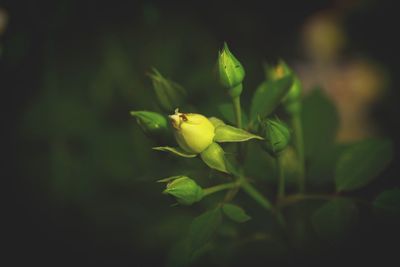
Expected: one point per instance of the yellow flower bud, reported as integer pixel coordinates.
(193, 132)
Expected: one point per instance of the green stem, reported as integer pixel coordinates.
(300, 197)
(255, 194)
(292, 199)
(299, 144)
(281, 178)
(220, 187)
(238, 117)
(237, 110)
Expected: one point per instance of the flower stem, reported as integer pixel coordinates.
(237, 110)
(292, 199)
(255, 194)
(300, 197)
(220, 187)
(238, 118)
(299, 144)
(281, 178)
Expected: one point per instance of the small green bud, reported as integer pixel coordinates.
(152, 123)
(185, 190)
(169, 94)
(231, 72)
(193, 132)
(276, 134)
(292, 99)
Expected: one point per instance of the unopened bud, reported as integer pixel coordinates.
(193, 132)
(185, 190)
(152, 123)
(276, 135)
(231, 72)
(292, 99)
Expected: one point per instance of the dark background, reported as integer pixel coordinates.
(81, 173)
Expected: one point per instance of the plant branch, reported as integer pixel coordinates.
(299, 144)
(255, 194)
(292, 199)
(237, 110)
(281, 178)
(220, 187)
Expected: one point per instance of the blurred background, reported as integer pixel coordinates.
(83, 174)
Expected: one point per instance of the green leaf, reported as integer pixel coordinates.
(227, 112)
(320, 123)
(226, 133)
(235, 213)
(175, 150)
(359, 164)
(335, 219)
(170, 94)
(203, 227)
(268, 96)
(214, 157)
(388, 202)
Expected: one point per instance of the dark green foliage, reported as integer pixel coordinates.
(268, 96)
(388, 203)
(235, 213)
(361, 163)
(335, 220)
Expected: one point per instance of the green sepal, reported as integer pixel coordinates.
(226, 133)
(216, 122)
(169, 179)
(236, 91)
(214, 157)
(175, 150)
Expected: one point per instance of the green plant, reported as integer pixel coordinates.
(299, 146)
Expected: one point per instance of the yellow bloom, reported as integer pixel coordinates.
(193, 132)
